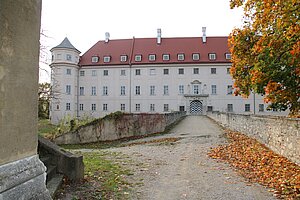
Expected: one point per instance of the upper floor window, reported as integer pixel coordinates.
(152, 90)
(95, 59)
(228, 70)
(180, 56)
(214, 89)
(68, 89)
(122, 90)
(94, 73)
(81, 106)
(81, 73)
(138, 90)
(93, 106)
(196, 56)
(166, 57)
(81, 91)
(138, 72)
(138, 58)
(68, 72)
(213, 70)
(123, 58)
(196, 70)
(151, 57)
(123, 72)
(93, 91)
(152, 71)
(166, 71)
(196, 89)
(180, 71)
(212, 56)
(227, 56)
(229, 89)
(105, 72)
(69, 57)
(58, 56)
(105, 91)
(181, 89)
(106, 59)
(68, 106)
(166, 90)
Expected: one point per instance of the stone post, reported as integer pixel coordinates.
(22, 174)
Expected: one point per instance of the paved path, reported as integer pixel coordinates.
(184, 171)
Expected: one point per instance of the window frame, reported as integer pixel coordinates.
(81, 91)
(152, 57)
(166, 70)
(196, 56)
(166, 107)
(180, 71)
(123, 90)
(81, 73)
(261, 107)
(138, 107)
(166, 90)
(106, 59)
(213, 70)
(166, 57)
(68, 71)
(137, 90)
(152, 107)
(152, 90)
(138, 58)
(105, 107)
(212, 56)
(213, 89)
(105, 91)
(123, 58)
(229, 107)
(94, 107)
(68, 106)
(68, 89)
(81, 108)
(138, 72)
(196, 70)
(123, 72)
(94, 72)
(181, 89)
(228, 56)
(94, 91)
(229, 90)
(105, 72)
(180, 57)
(247, 107)
(95, 59)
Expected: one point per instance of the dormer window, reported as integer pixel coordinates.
(138, 58)
(212, 56)
(106, 59)
(95, 59)
(227, 56)
(69, 57)
(123, 58)
(166, 57)
(196, 56)
(180, 56)
(151, 57)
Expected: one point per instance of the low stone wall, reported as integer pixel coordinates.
(281, 134)
(114, 127)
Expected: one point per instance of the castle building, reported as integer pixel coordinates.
(146, 75)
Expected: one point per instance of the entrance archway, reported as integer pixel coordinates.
(196, 107)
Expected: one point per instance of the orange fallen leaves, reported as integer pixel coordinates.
(258, 163)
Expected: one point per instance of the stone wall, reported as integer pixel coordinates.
(281, 134)
(114, 127)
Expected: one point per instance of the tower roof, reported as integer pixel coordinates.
(66, 44)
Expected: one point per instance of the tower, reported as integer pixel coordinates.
(64, 81)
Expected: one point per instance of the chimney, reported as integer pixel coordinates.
(107, 35)
(158, 36)
(204, 34)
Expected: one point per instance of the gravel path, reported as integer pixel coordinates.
(182, 170)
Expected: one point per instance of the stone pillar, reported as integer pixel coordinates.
(22, 174)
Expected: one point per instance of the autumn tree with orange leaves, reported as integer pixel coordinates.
(266, 52)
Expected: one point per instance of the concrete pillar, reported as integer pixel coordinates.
(22, 174)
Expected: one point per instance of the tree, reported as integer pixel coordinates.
(44, 94)
(266, 52)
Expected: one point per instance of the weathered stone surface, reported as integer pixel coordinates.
(23, 179)
(280, 134)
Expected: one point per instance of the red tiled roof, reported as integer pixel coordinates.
(146, 46)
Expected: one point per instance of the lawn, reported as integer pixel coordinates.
(45, 127)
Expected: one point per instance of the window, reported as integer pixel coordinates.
(122, 90)
(196, 70)
(227, 56)
(247, 107)
(122, 107)
(180, 56)
(229, 89)
(57, 107)
(138, 90)
(152, 90)
(180, 71)
(69, 57)
(81, 107)
(123, 58)
(123, 72)
(151, 57)
(166, 57)
(228, 70)
(152, 107)
(106, 59)
(68, 72)
(81, 73)
(196, 89)
(213, 70)
(137, 107)
(212, 56)
(138, 58)
(105, 72)
(94, 73)
(68, 89)
(81, 91)
(138, 72)
(68, 106)
(181, 89)
(152, 72)
(93, 106)
(261, 108)
(166, 90)
(196, 56)
(104, 107)
(58, 56)
(214, 89)
(93, 91)
(105, 91)
(95, 59)
(209, 108)
(166, 71)
(181, 108)
(229, 107)
(166, 107)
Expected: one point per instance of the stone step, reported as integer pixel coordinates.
(51, 172)
(54, 184)
(46, 160)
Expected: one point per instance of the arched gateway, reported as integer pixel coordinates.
(196, 107)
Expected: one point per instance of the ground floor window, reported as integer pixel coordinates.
(122, 107)
(247, 107)
(229, 107)
(181, 108)
(209, 108)
(152, 107)
(166, 107)
(104, 107)
(137, 107)
(261, 108)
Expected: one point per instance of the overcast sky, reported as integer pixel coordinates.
(85, 22)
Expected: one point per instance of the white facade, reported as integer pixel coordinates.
(144, 88)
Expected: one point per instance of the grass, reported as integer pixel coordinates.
(45, 127)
